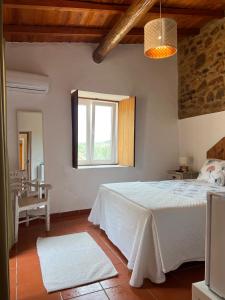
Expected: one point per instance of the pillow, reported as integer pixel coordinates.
(217, 178)
(212, 171)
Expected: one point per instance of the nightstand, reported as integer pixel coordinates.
(200, 291)
(173, 174)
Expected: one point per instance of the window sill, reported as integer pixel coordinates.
(101, 167)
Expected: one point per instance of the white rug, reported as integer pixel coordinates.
(72, 260)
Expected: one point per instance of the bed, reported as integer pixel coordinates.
(156, 225)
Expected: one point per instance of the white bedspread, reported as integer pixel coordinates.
(156, 225)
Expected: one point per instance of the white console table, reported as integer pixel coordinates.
(200, 291)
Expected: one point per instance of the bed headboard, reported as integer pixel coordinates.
(217, 151)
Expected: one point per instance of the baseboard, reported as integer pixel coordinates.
(61, 215)
(73, 213)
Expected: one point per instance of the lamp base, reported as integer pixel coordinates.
(184, 169)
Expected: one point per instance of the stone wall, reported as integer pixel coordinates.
(201, 66)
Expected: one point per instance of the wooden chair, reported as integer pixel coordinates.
(31, 196)
(17, 180)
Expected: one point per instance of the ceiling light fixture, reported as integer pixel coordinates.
(160, 37)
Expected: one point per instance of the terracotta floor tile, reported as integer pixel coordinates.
(117, 253)
(30, 285)
(12, 262)
(93, 296)
(12, 294)
(192, 264)
(125, 292)
(115, 259)
(35, 293)
(172, 289)
(12, 277)
(30, 258)
(41, 296)
(112, 256)
(123, 277)
(12, 258)
(111, 251)
(82, 290)
(190, 275)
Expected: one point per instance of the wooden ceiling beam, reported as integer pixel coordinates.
(124, 24)
(61, 31)
(215, 13)
(64, 5)
(65, 31)
(71, 6)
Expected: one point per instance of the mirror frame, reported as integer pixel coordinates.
(18, 149)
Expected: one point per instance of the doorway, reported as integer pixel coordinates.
(25, 152)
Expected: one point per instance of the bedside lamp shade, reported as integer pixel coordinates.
(160, 38)
(185, 161)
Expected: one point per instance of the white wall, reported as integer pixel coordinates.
(198, 134)
(125, 71)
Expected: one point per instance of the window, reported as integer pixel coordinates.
(102, 130)
(97, 132)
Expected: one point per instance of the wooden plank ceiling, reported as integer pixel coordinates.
(89, 21)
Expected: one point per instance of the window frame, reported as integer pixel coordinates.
(90, 131)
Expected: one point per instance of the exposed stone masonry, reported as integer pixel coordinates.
(201, 67)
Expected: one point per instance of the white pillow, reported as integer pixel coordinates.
(213, 171)
(217, 178)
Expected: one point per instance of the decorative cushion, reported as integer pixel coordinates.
(213, 171)
(217, 178)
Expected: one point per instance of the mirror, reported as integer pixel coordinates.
(30, 144)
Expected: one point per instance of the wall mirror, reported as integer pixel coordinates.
(30, 144)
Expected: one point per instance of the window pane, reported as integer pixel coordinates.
(103, 133)
(82, 132)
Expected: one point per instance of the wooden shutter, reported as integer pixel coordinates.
(74, 109)
(126, 132)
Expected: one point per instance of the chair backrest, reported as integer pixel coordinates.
(17, 180)
(24, 188)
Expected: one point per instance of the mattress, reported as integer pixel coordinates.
(156, 225)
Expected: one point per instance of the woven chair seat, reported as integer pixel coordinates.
(27, 201)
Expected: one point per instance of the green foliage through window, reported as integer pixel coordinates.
(102, 151)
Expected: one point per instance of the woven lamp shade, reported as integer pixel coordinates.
(160, 38)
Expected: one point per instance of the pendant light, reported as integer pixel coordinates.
(160, 37)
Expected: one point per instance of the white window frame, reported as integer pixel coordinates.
(90, 127)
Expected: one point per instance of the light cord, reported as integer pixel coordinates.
(160, 9)
(160, 15)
